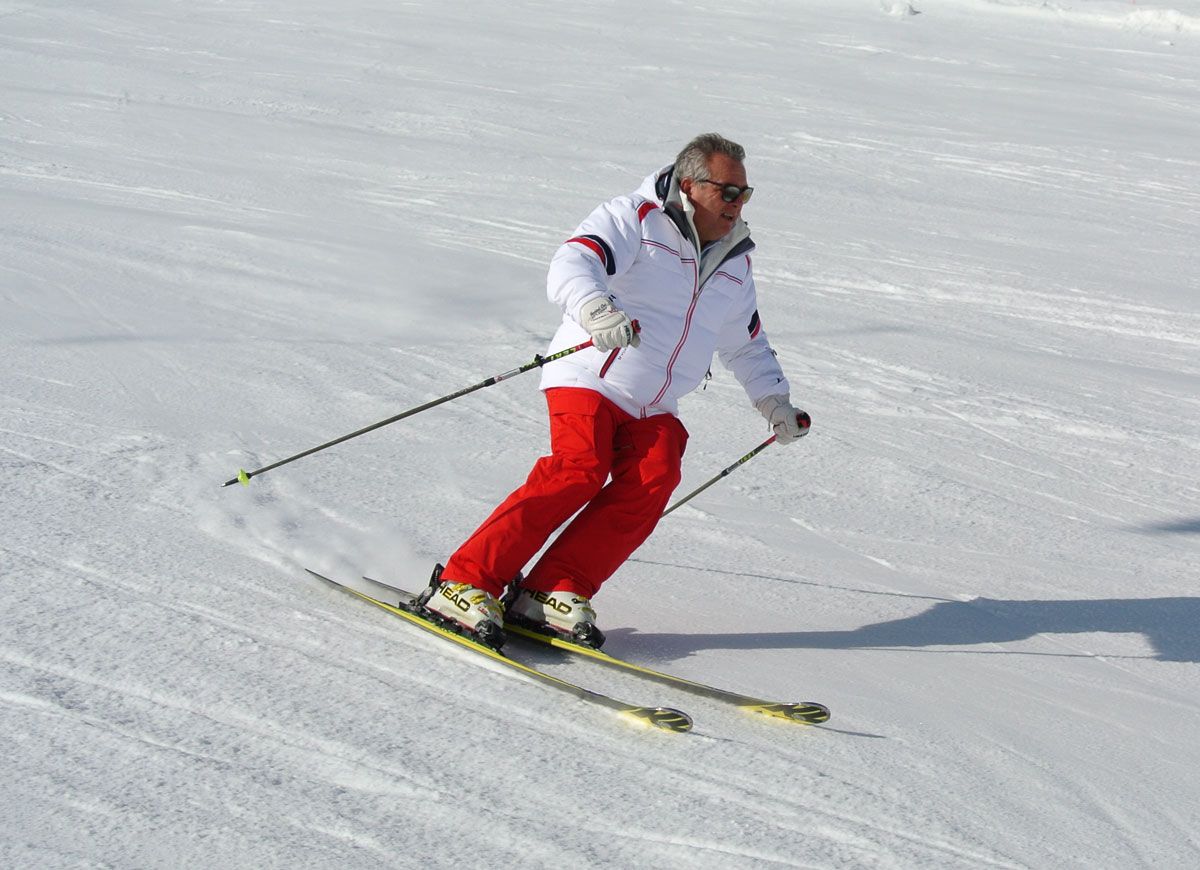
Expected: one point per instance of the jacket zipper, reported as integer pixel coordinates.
(687, 327)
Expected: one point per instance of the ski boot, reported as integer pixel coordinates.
(563, 614)
(465, 609)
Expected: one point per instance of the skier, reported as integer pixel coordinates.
(660, 280)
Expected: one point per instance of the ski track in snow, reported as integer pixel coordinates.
(232, 232)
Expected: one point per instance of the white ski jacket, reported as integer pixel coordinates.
(643, 251)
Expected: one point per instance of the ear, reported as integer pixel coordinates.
(686, 185)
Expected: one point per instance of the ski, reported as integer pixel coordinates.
(801, 712)
(662, 718)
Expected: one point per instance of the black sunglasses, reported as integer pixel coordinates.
(730, 192)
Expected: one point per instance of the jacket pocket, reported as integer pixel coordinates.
(612, 358)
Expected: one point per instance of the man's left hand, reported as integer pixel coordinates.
(787, 421)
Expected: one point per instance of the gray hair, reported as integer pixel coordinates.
(692, 161)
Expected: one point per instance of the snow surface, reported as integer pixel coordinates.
(233, 230)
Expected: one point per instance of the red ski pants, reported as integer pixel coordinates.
(590, 439)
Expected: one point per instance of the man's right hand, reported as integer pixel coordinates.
(609, 326)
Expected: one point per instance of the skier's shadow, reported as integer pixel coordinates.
(1184, 526)
(1170, 625)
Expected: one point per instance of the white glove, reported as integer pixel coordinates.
(609, 326)
(787, 421)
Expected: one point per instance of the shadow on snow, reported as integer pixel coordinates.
(1169, 624)
(1189, 526)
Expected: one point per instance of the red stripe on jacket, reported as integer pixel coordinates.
(591, 246)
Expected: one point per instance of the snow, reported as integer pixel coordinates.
(234, 230)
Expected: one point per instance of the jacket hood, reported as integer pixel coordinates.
(663, 187)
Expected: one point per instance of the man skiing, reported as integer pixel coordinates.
(660, 280)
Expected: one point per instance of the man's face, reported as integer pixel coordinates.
(714, 217)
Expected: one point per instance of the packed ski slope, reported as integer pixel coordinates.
(231, 231)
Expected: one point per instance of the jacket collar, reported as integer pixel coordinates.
(677, 207)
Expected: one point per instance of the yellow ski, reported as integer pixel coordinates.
(801, 712)
(662, 718)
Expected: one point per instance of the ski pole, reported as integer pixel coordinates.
(724, 472)
(801, 418)
(243, 476)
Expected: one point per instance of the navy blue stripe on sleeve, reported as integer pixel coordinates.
(610, 262)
